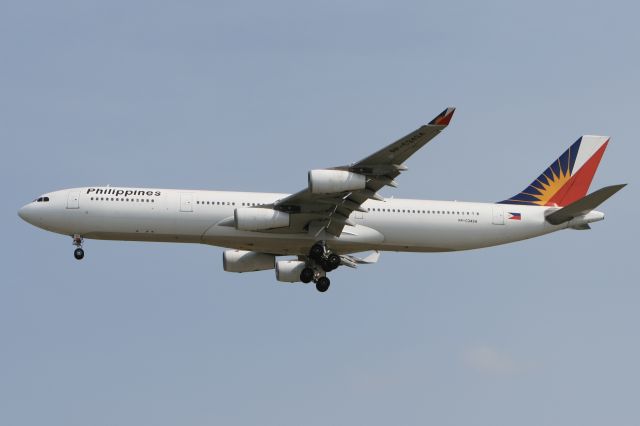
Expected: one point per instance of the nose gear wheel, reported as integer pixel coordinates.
(78, 253)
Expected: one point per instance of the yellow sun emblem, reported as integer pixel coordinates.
(547, 190)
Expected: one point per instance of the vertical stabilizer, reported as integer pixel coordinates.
(568, 178)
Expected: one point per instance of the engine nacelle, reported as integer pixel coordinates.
(260, 219)
(247, 261)
(288, 271)
(334, 181)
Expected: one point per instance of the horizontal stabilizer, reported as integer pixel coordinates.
(583, 205)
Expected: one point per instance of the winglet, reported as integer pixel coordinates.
(443, 118)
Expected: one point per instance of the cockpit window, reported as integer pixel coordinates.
(42, 199)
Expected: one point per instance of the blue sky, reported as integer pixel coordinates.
(251, 95)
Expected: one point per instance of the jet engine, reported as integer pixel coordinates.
(260, 219)
(247, 261)
(288, 271)
(334, 181)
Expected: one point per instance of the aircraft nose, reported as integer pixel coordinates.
(25, 213)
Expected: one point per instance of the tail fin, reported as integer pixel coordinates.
(568, 178)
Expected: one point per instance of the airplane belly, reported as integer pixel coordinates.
(353, 239)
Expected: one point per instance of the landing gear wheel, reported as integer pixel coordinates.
(316, 252)
(330, 263)
(306, 276)
(333, 261)
(324, 264)
(322, 284)
(78, 253)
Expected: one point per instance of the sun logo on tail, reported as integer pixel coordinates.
(568, 178)
(545, 187)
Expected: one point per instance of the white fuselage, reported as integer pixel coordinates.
(192, 216)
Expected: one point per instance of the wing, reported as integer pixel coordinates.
(314, 211)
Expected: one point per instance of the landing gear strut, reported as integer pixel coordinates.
(78, 253)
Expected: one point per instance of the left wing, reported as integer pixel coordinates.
(333, 194)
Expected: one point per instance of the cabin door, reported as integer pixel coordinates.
(73, 200)
(498, 215)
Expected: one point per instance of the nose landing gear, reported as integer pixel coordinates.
(78, 253)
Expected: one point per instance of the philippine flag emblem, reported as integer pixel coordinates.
(515, 216)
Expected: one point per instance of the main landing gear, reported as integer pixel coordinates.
(78, 253)
(320, 261)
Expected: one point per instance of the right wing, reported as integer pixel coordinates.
(331, 211)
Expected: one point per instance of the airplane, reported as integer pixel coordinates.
(337, 215)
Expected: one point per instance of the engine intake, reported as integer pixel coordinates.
(259, 219)
(334, 181)
(247, 261)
